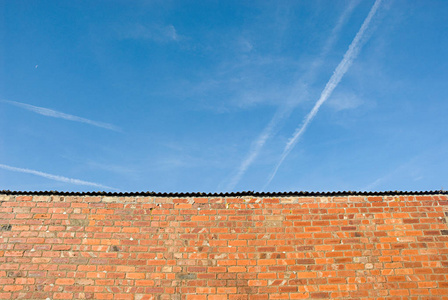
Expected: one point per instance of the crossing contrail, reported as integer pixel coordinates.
(339, 72)
(285, 110)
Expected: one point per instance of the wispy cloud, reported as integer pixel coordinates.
(408, 170)
(56, 177)
(427, 165)
(286, 108)
(60, 115)
(339, 72)
(345, 100)
(156, 33)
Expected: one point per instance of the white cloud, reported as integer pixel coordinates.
(156, 33)
(345, 100)
(245, 45)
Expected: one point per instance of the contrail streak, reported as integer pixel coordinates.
(55, 177)
(339, 72)
(284, 111)
(60, 115)
(256, 148)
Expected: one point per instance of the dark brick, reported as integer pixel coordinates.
(347, 228)
(5, 227)
(320, 295)
(14, 274)
(309, 261)
(184, 276)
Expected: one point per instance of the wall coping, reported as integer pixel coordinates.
(225, 194)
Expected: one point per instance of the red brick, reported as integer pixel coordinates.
(231, 248)
(65, 281)
(196, 297)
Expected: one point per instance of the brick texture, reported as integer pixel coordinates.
(357, 247)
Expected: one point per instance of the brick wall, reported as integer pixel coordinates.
(92, 247)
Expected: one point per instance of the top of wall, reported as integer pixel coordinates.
(226, 194)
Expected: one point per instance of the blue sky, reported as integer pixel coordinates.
(217, 96)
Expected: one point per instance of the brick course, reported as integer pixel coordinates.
(248, 247)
